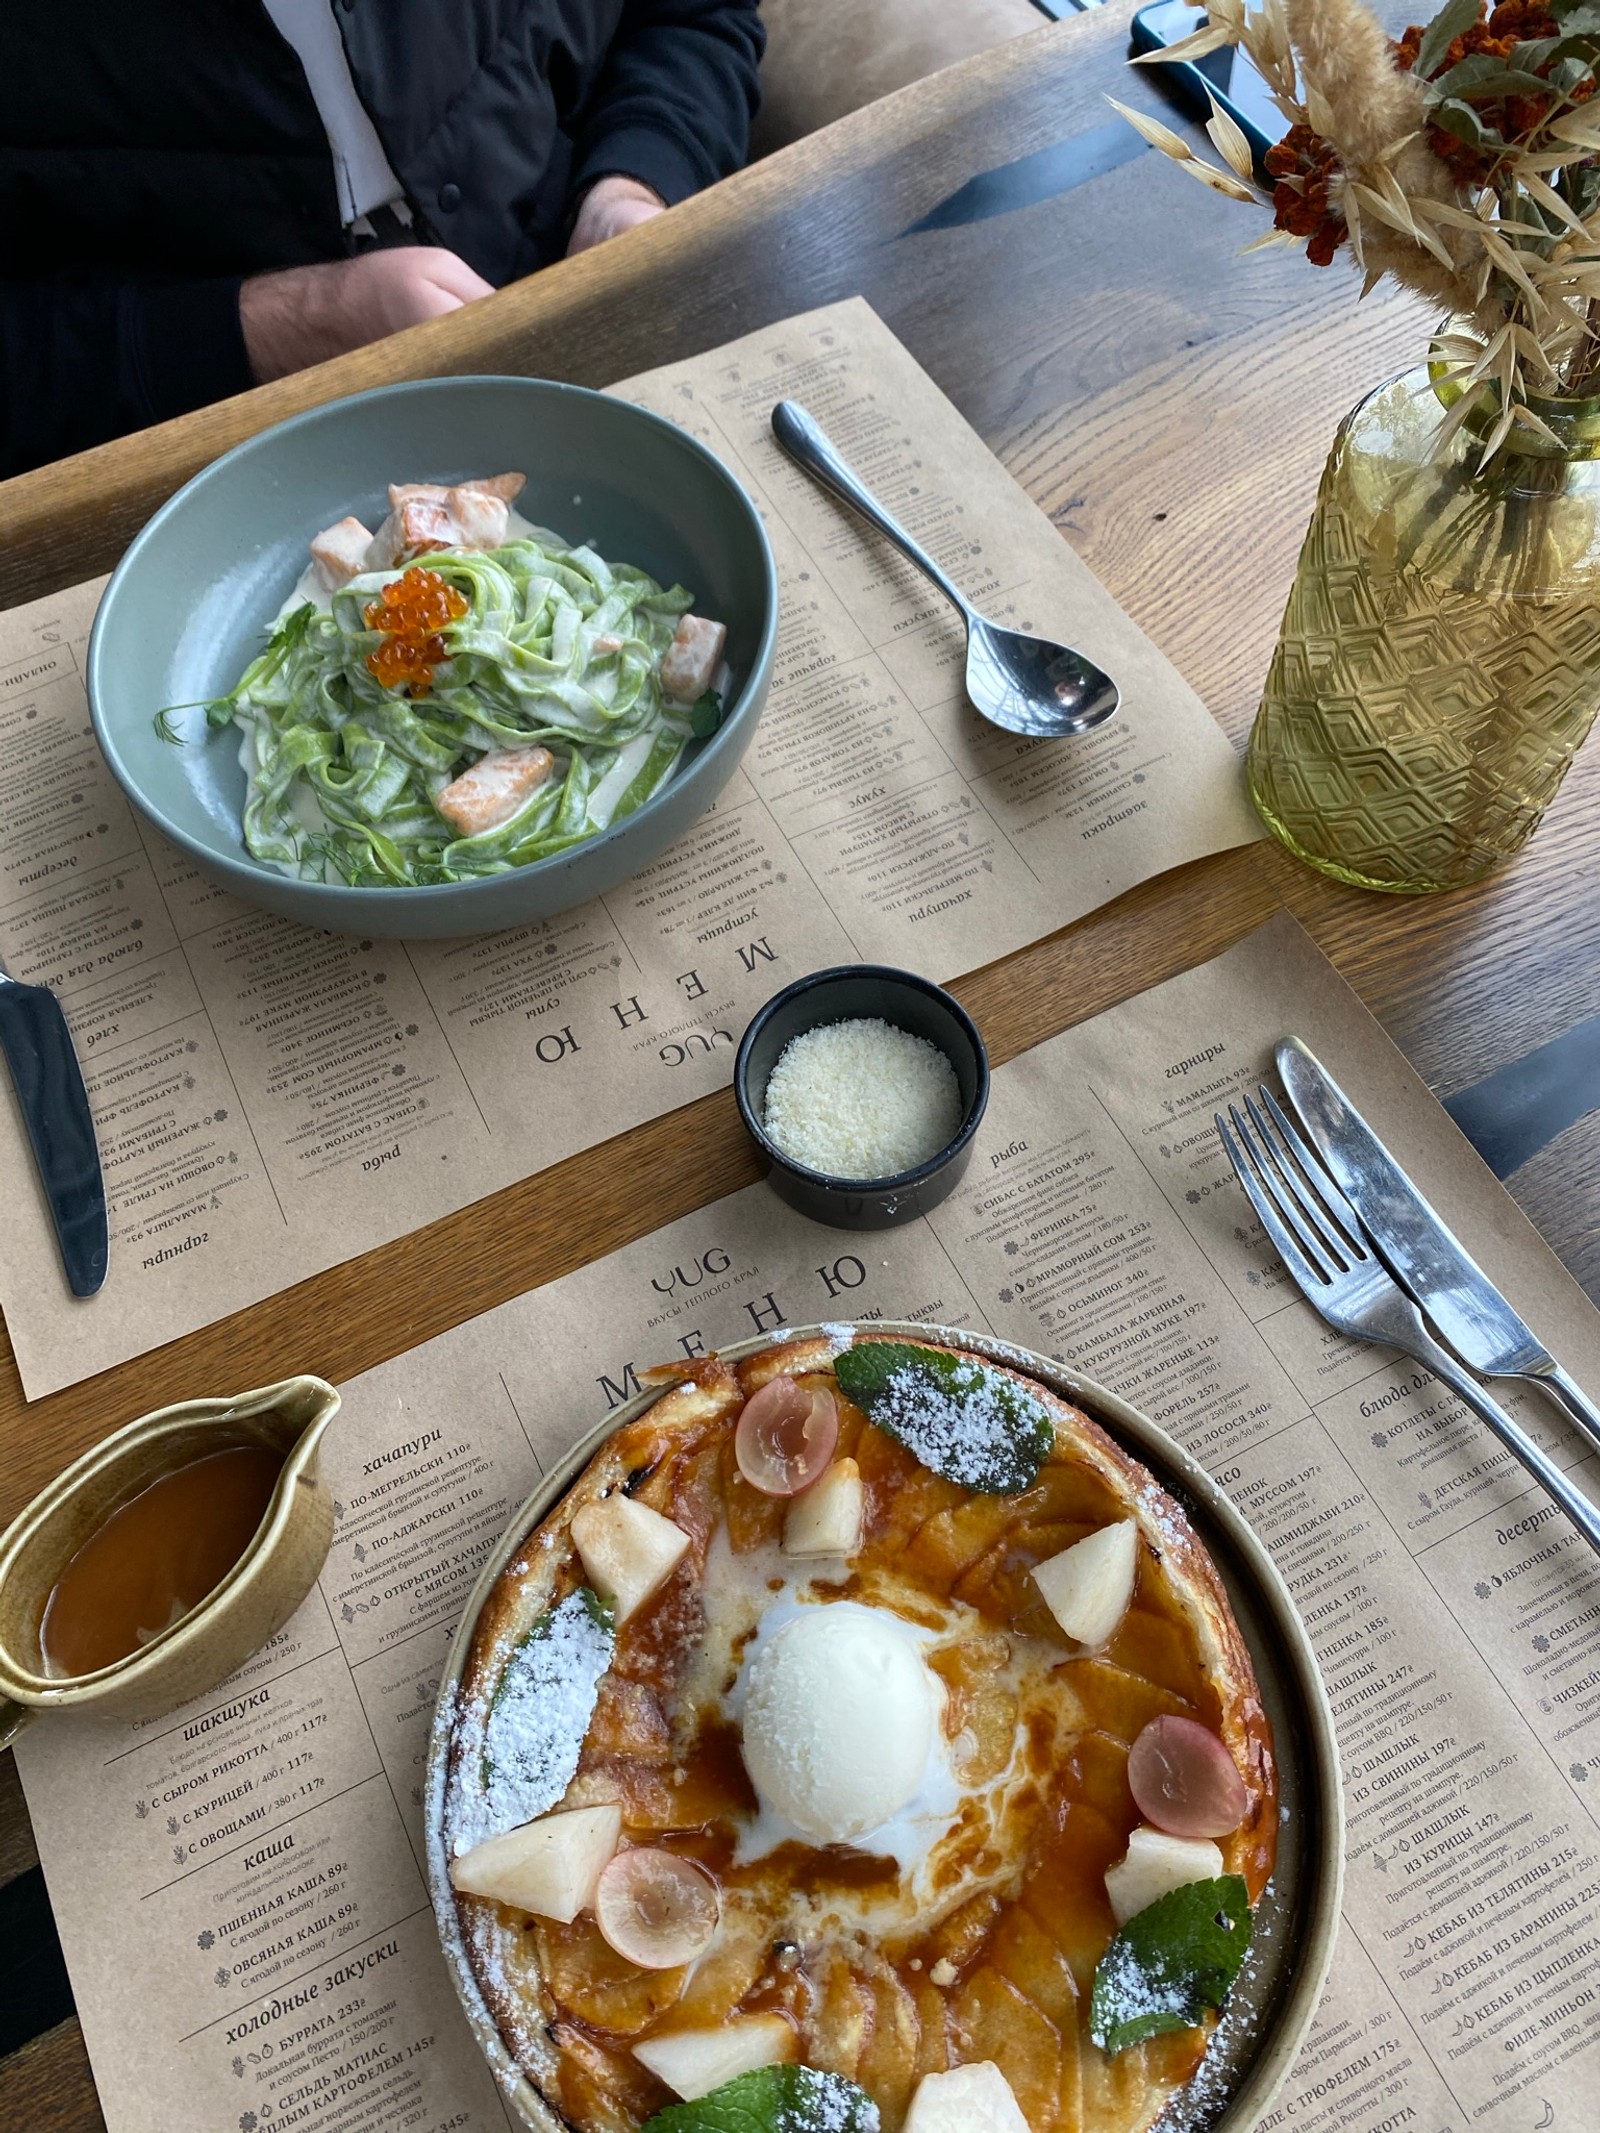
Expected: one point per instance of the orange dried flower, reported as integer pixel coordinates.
(1514, 118)
(1304, 165)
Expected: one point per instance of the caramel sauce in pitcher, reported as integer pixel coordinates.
(155, 1558)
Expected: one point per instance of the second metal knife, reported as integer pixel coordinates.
(1426, 1256)
(55, 1109)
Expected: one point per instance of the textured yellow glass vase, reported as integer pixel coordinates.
(1438, 666)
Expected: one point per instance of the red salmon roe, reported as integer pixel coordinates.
(411, 610)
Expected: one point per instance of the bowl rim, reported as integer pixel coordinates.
(243, 868)
(1307, 1963)
(830, 1181)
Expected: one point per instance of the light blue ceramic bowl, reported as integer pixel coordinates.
(185, 610)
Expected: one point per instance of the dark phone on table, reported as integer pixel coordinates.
(1227, 72)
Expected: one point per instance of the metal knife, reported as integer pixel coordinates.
(1426, 1257)
(55, 1109)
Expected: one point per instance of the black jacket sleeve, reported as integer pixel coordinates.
(675, 98)
(84, 360)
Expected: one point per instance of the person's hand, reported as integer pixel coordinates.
(304, 315)
(610, 206)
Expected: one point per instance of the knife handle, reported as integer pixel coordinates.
(1571, 1398)
(55, 1109)
(1583, 1512)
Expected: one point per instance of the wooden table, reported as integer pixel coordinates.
(1169, 403)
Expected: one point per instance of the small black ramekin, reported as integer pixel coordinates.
(913, 1004)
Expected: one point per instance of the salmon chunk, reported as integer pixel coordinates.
(421, 525)
(424, 517)
(493, 789)
(480, 516)
(508, 487)
(340, 552)
(689, 664)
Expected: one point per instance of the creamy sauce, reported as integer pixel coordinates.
(155, 1559)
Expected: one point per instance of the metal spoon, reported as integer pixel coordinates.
(1022, 684)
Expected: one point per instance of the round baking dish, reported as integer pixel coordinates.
(1296, 1921)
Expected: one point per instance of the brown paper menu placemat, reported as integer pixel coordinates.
(239, 1888)
(272, 1101)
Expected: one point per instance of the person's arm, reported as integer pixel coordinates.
(82, 361)
(674, 101)
(296, 316)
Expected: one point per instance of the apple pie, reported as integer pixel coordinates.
(864, 1741)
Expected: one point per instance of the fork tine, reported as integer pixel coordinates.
(1313, 1245)
(1303, 1192)
(1319, 1177)
(1310, 1279)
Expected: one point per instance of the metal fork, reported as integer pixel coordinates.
(1320, 1240)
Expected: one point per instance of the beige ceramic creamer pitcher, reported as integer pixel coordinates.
(251, 1602)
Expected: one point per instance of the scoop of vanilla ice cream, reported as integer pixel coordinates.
(840, 1714)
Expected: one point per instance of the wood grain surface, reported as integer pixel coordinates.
(48, 2085)
(1169, 403)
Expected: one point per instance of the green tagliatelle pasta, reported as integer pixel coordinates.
(558, 648)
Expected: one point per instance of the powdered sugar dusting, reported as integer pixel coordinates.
(966, 1429)
(1136, 1992)
(518, 1761)
(832, 2104)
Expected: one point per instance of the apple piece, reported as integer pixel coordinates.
(1087, 1587)
(549, 1866)
(968, 2099)
(1156, 1864)
(826, 1519)
(628, 1550)
(693, 2062)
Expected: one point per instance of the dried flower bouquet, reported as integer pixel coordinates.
(1464, 162)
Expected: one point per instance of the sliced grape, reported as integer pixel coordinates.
(786, 1436)
(1184, 1780)
(656, 1909)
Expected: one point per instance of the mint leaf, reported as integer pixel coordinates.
(542, 1705)
(961, 1419)
(774, 2099)
(1170, 1963)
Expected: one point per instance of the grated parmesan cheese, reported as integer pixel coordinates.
(862, 1099)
